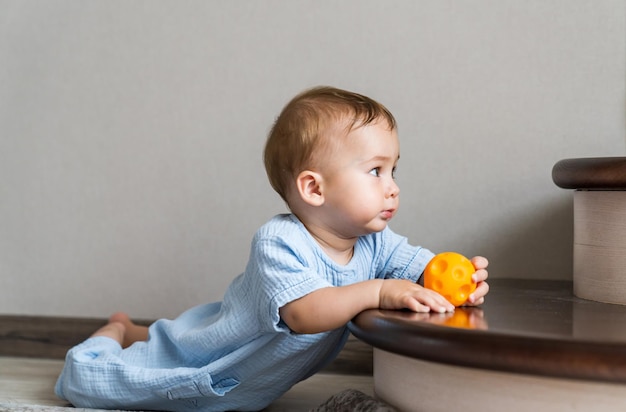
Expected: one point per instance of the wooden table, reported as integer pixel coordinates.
(532, 346)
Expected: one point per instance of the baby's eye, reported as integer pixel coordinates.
(393, 173)
(375, 171)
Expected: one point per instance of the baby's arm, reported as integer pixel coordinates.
(332, 307)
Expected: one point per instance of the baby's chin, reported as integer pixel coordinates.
(376, 226)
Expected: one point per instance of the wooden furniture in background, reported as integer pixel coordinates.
(599, 225)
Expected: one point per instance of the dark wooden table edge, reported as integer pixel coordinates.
(537, 355)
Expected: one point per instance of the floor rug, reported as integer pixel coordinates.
(346, 401)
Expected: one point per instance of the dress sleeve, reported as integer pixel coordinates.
(281, 274)
(399, 259)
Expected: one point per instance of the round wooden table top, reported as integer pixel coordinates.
(591, 173)
(525, 326)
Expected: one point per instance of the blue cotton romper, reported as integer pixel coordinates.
(236, 354)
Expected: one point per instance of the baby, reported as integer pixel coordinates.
(331, 155)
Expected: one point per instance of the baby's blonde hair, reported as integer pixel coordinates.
(302, 126)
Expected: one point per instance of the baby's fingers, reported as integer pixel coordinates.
(480, 276)
(479, 262)
(431, 301)
(415, 306)
(478, 297)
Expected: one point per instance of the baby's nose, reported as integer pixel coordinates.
(394, 189)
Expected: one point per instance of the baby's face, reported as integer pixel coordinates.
(360, 191)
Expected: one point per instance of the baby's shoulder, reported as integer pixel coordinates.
(281, 232)
(283, 226)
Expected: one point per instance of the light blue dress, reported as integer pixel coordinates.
(236, 354)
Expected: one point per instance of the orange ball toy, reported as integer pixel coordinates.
(450, 274)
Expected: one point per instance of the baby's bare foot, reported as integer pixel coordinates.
(132, 331)
(120, 317)
(113, 330)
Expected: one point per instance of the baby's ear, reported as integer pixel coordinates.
(309, 186)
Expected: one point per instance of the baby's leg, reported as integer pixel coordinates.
(113, 330)
(123, 330)
(132, 332)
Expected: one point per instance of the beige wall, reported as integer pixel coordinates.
(131, 133)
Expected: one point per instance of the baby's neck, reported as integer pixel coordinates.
(338, 249)
(341, 257)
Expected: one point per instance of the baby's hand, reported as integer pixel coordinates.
(404, 294)
(480, 277)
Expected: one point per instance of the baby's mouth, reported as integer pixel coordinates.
(388, 214)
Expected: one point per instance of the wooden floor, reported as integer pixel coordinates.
(30, 381)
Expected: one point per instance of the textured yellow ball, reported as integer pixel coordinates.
(450, 274)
